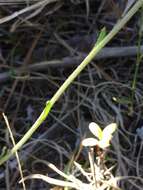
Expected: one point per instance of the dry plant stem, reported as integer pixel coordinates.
(13, 142)
(105, 53)
(91, 161)
(51, 181)
(61, 90)
(16, 2)
(27, 9)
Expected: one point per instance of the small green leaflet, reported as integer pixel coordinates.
(4, 151)
(46, 110)
(101, 36)
(123, 100)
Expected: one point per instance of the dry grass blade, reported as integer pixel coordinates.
(27, 9)
(50, 180)
(58, 182)
(16, 2)
(84, 173)
(17, 157)
(68, 177)
(58, 171)
(107, 52)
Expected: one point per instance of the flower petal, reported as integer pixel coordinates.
(109, 130)
(90, 142)
(107, 135)
(104, 143)
(95, 130)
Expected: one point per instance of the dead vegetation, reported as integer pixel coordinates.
(41, 44)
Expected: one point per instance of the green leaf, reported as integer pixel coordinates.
(46, 110)
(101, 36)
(123, 100)
(4, 152)
(12, 73)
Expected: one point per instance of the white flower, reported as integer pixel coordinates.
(103, 137)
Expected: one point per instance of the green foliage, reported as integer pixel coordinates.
(101, 36)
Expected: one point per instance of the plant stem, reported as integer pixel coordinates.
(70, 79)
(96, 50)
(138, 60)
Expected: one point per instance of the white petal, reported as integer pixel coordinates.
(104, 143)
(109, 130)
(95, 130)
(107, 135)
(90, 142)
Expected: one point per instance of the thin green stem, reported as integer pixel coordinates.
(96, 50)
(138, 61)
(70, 79)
